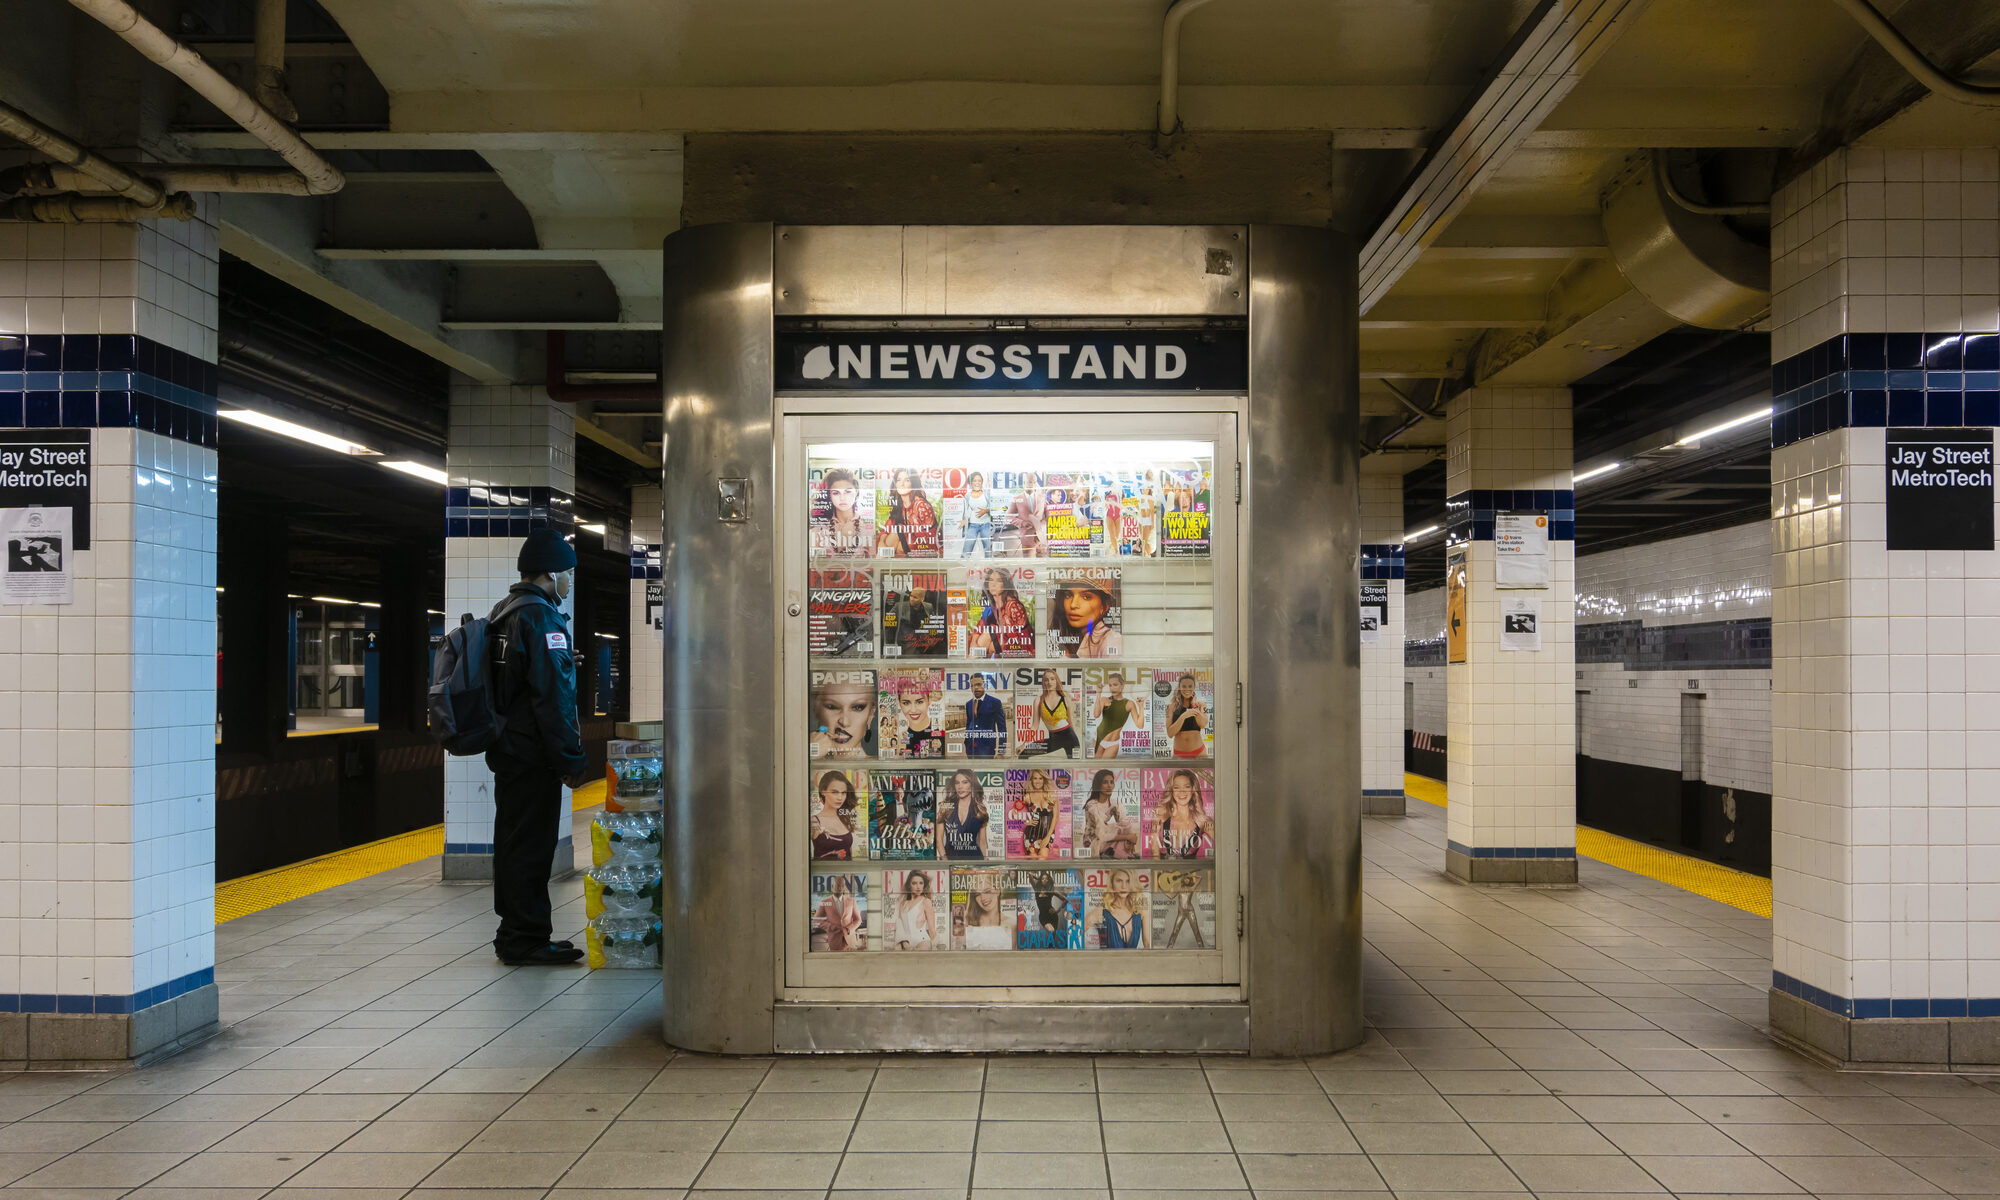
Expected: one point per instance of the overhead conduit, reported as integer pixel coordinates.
(1905, 52)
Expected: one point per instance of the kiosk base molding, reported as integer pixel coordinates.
(1060, 1028)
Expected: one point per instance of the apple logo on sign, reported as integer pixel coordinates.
(818, 363)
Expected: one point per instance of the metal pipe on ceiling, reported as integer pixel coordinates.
(278, 181)
(1170, 64)
(322, 177)
(1905, 52)
(69, 208)
(270, 57)
(81, 161)
(1698, 207)
(563, 391)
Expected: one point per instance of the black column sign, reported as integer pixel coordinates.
(48, 468)
(1940, 489)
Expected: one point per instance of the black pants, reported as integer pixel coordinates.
(526, 800)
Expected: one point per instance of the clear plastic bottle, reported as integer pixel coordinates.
(625, 943)
(625, 837)
(622, 888)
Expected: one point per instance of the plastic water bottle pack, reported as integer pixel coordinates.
(625, 943)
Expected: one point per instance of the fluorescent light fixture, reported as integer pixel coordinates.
(218, 589)
(368, 604)
(419, 470)
(1726, 426)
(1425, 532)
(297, 432)
(330, 600)
(434, 612)
(612, 637)
(1594, 472)
(596, 529)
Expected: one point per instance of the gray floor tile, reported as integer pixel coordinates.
(353, 1169)
(1640, 1139)
(1735, 1175)
(1039, 1172)
(285, 1136)
(1573, 1137)
(1037, 1106)
(1311, 1173)
(1846, 1176)
(1445, 1173)
(754, 1137)
(778, 1170)
(467, 1169)
(905, 1170)
(85, 1169)
(1174, 1172)
(1592, 1174)
(222, 1169)
(873, 1136)
(1417, 1137)
(920, 1106)
(602, 1169)
(1040, 1137)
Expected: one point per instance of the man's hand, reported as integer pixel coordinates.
(573, 782)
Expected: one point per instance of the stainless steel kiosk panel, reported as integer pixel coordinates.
(821, 894)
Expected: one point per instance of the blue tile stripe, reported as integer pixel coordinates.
(43, 1002)
(645, 560)
(1382, 560)
(1381, 791)
(468, 847)
(1513, 851)
(1876, 380)
(106, 381)
(1469, 515)
(1867, 1009)
(505, 510)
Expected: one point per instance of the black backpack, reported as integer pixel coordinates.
(464, 702)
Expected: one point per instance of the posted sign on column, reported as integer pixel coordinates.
(1939, 489)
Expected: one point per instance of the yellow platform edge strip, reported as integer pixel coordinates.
(266, 889)
(1725, 885)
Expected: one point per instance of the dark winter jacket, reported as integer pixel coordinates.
(537, 686)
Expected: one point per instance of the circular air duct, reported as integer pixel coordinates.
(1693, 265)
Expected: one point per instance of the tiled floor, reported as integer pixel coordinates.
(1593, 1042)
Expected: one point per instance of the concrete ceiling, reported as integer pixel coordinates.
(603, 120)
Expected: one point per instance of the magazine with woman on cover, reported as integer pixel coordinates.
(838, 815)
(1118, 711)
(1177, 807)
(1105, 814)
(1017, 505)
(914, 606)
(1000, 612)
(1185, 508)
(907, 514)
(842, 519)
(979, 513)
(840, 712)
(839, 912)
(1038, 824)
(983, 912)
(902, 817)
(840, 612)
(977, 705)
(1184, 910)
(1183, 708)
(1069, 526)
(972, 815)
(1048, 706)
(915, 911)
(911, 704)
(1050, 909)
(1084, 615)
(1119, 908)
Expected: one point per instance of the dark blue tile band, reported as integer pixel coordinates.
(468, 847)
(44, 1002)
(1874, 380)
(1469, 515)
(1382, 560)
(505, 510)
(1864, 1009)
(645, 560)
(1512, 851)
(106, 381)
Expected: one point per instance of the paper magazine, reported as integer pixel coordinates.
(1184, 910)
(1177, 806)
(840, 712)
(907, 512)
(914, 606)
(902, 820)
(1182, 712)
(1038, 823)
(840, 612)
(1050, 909)
(838, 814)
(1105, 813)
(1068, 522)
(842, 519)
(1118, 908)
(977, 705)
(1185, 504)
(916, 911)
(1119, 712)
(839, 912)
(999, 606)
(983, 909)
(1084, 616)
(972, 814)
(1048, 706)
(911, 703)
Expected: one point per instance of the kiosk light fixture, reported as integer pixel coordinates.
(293, 430)
(419, 470)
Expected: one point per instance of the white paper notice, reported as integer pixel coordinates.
(1521, 550)
(37, 569)
(1520, 623)
(1374, 610)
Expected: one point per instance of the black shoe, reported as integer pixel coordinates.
(563, 945)
(550, 955)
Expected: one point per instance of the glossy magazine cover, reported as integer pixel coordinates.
(1038, 824)
(840, 612)
(911, 703)
(999, 608)
(916, 911)
(1183, 712)
(1118, 908)
(1177, 807)
(908, 512)
(1049, 902)
(842, 519)
(977, 708)
(839, 912)
(913, 614)
(1084, 614)
(1105, 813)
(1119, 712)
(983, 909)
(972, 814)
(840, 712)
(902, 820)
(837, 814)
(1183, 910)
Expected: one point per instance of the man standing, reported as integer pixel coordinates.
(985, 721)
(540, 749)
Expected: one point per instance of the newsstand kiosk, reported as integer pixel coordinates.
(1011, 668)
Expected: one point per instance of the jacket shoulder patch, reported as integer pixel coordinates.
(557, 641)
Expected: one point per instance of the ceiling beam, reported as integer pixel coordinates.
(1551, 52)
(497, 254)
(1477, 236)
(1457, 312)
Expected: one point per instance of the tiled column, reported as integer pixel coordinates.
(107, 704)
(511, 459)
(1511, 714)
(647, 686)
(1382, 659)
(1885, 807)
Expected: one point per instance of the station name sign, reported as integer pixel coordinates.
(1064, 360)
(48, 468)
(1939, 489)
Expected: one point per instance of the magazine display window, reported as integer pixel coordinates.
(1011, 665)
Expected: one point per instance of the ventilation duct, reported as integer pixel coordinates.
(1694, 266)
